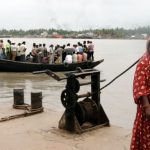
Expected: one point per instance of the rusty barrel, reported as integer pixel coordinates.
(36, 100)
(18, 96)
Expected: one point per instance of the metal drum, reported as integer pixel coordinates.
(86, 111)
(18, 96)
(36, 100)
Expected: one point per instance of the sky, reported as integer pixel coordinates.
(74, 14)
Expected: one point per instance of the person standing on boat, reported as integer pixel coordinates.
(45, 53)
(18, 56)
(141, 93)
(80, 48)
(51, 54)
(23, 51)
(2, 50)
(8, 50)
(34, 53)
(68, 49)
(90, 51)
(85, 48)
(59, 52)
(40, 53)
(13, 51)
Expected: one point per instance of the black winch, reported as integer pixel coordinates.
(85, 114)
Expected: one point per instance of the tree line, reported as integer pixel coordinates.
(103, 33)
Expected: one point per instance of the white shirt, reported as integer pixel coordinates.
(68, 59)
(14, 48)
(18, 51)
(74, 58)
(22, 49)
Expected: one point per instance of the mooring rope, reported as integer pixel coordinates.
(119, 75)
(28, 112)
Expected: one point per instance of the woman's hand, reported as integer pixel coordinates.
(146, 106)
(147, 111)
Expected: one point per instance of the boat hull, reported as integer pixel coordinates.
(15, 66)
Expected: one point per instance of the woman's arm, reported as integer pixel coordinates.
(146, 106)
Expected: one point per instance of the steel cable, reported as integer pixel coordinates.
(120, 75)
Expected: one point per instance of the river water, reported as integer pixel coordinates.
(116, 99)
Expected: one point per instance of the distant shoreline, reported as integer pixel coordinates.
(112, 33)
(1, 37)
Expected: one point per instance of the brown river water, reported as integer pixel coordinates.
(116, 99)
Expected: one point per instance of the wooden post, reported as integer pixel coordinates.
(36, 100)
(18, 96)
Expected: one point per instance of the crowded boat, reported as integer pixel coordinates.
(51, 54)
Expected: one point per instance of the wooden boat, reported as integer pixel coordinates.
(17, 66)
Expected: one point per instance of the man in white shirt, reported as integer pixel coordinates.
(18, 52)
(23, 51)
(13, 51)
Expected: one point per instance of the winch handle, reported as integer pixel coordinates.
(49, 73)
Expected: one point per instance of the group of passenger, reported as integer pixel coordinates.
(62, 54)
(54, 54)
(13, 51)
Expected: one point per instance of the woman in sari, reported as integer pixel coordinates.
(141, 93)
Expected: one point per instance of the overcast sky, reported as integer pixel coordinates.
(73, 14)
